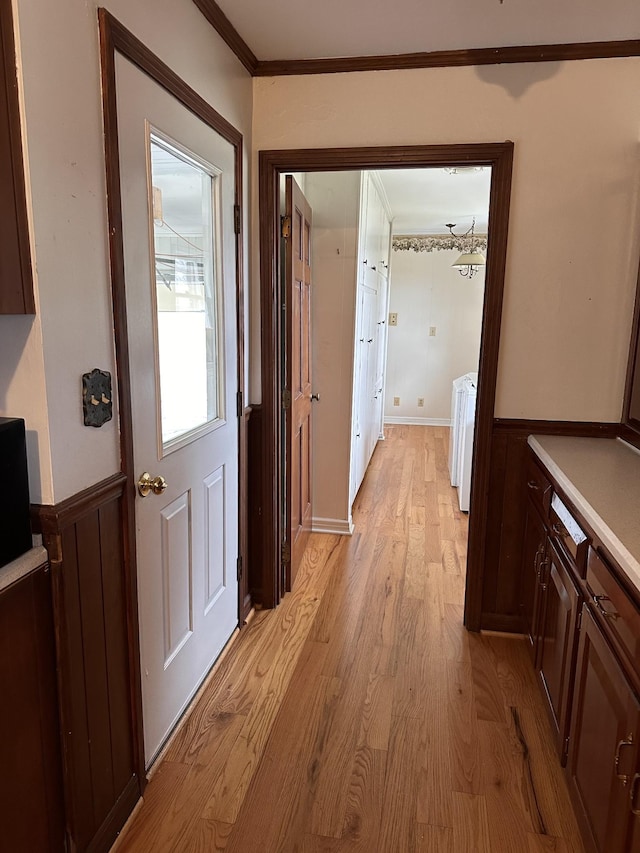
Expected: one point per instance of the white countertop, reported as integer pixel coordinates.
(601, 476)
(22, 566)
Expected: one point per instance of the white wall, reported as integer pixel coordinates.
(334, 198)
(427, 291)
(43, 360)
(576, 128)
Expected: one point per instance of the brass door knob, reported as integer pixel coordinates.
(148, 484)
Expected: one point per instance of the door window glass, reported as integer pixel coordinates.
(183, 199)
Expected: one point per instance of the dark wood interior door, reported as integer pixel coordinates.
(297, 379)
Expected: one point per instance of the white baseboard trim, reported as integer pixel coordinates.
(392, 419)
(341, 526)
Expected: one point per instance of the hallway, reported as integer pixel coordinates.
(360, 715)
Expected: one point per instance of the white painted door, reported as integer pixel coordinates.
(177, 178)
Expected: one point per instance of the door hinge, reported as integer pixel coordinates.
(285, 226)
(565, 750)
(236, 218)
(239, 568)
(286, 552)
(239, 404)
(579, 623)
(286, 398)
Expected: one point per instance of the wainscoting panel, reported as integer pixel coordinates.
(83, 536)
(506, 513)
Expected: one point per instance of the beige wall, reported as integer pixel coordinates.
(426, 291)
(575, 218)
(43, 360)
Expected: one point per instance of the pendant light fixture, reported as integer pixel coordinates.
(469, 262)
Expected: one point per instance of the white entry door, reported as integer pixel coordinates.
(177, 177)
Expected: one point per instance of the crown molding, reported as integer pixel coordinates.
(225, 29)
(403, 61)
(452, 58)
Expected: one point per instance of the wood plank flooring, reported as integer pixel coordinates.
(360, 715)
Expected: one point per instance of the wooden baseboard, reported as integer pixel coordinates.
(399, 419)
(340, 526)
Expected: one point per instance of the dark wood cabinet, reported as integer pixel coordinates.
(16, 278)
(534, 556)
(560, 608)
(603, 749)
(31, 807)
(581, 614)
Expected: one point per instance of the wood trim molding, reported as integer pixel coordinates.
(404, 61)
(115, 38)
(451, 58)
(228, 33)
(592, 429)
(499, 156)
(52, 518)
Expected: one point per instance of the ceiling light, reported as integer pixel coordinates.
(469, 262)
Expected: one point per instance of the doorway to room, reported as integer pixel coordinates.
(498, 157)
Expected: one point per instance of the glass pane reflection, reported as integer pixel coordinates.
(185, 271)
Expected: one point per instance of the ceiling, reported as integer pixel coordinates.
(422, 201)
(290, 29)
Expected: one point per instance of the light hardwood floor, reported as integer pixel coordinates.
(360, 715)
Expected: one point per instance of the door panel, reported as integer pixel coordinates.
(298, 362)
(178, 194)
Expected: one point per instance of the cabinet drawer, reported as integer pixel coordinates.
(538, 486)
(568, 536)
(619, 614)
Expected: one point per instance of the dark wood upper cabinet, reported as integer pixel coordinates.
(16, 278)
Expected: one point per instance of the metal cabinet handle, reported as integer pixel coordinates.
(370, 341)
(628, 741)
(608, 614)
(316, 397)
(632, 795)
(533, 485)
(373, 268)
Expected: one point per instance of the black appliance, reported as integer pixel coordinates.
(15, 523)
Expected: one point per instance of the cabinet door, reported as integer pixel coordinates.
(30, 764)
(603, 746)
(533, 556)
(558, 640)
(16, 278)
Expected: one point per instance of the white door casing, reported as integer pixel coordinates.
(187, 536)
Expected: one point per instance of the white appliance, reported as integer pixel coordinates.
(463, 415)
(454, 435)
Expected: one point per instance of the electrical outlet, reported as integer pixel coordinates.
(420, 402)
(396, 401)
(432, 331)
(393, 319)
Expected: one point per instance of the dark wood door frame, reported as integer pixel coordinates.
(115, 38)
(499, 156)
